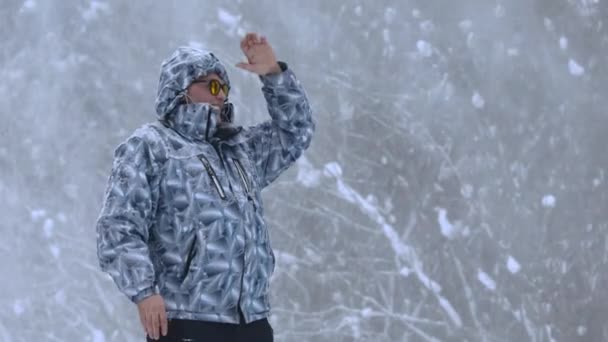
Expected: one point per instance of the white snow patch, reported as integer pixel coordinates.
(451, 311)
(499, 11)
(465, 25)
(486, 280)
(307, 174)
(447, 229)
(427, 282)
(405, 271)
(61, 217)
(28, 5)
(37, 214)
(386, 35)
(389, 15)
(575, 68)
(427, 26)
(358, 11)
(416, 13)
(366, 312)
(47, 227)
(563, 43)
(332, 169)
(512, 52)
(548, 201)
(466, 190)
(513, 265)
(478, 101)
(228, 18)
(581, 330)
(198, 45)
(313, 256)
(98, 335)
(18, 308)
(424, 48)
(231, 22)
(138, 85)
(286, 258)
(55, 250)
(549, 24)
(60, 297)
(94, 9)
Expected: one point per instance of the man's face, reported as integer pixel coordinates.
(198, 92)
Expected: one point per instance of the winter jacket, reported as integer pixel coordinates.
(183, 215)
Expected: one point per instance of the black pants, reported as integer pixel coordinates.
(183, 330)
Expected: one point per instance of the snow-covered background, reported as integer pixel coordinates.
(455, 190)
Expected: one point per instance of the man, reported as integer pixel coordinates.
(182, 231)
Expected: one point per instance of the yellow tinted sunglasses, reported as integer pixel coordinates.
(215, 86)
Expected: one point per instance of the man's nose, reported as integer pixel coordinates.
(221, 96)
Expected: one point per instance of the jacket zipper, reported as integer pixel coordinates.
(216, 182)
(241, 173)
(221, 191)
(239, 168)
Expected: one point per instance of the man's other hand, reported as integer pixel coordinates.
(153, 316)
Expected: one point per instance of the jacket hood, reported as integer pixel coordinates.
(195, 121)
(178, 71)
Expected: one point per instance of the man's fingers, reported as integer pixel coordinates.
(245, 43)
(155, 325)
(143, 320)
(164, 325)
(250, 39)
(248, 67)
(148, 325)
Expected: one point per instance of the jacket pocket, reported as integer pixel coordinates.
(192, 266)
(191, 253)
(242, 175)
(213, 176)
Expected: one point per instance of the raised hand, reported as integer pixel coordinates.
(260, 56)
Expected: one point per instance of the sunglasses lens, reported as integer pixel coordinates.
(214, 87)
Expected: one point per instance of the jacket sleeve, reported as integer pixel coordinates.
(276, 144)
(122, 227)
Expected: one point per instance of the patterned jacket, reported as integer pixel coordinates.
(182, 215)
